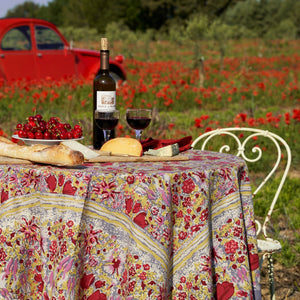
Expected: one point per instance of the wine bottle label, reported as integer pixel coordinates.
(106, 101)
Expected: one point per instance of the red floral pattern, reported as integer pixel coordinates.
(117, 230)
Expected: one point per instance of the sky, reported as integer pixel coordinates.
(5, 5)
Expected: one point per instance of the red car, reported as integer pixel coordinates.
(35, 49)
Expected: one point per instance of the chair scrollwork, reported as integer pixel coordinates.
(239, 142)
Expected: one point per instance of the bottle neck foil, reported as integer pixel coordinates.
(104, 60)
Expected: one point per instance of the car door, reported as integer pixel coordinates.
(17, 56)
(53, 58)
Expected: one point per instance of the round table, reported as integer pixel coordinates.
(129, 230)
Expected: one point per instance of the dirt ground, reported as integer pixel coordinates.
(287, 282)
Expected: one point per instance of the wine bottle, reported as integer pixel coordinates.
(104, 93)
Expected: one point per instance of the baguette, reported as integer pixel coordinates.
(59, 155)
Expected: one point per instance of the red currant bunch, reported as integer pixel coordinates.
(37, 128)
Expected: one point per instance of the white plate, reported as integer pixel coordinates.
(43, 142)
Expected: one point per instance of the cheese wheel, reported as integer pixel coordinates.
(123, 146)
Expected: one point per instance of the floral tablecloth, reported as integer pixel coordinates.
(163, 230)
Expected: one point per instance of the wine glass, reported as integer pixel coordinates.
(138, 119)
(107, 121)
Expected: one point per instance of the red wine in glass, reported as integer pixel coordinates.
(138, 119)
(107, 124)
(107, 121)
(139, 123)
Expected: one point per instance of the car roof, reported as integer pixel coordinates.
(5, 22)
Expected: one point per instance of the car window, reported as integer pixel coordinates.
(17, 38)
(47, 39)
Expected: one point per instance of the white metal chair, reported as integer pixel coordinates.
(266, 245)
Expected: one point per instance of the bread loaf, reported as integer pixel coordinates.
(59, 155)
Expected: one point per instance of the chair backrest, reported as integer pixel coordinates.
(242, 138)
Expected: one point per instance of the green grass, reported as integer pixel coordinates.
(285, 221)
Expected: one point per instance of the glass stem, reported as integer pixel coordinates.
(138, 134)
(106, 134)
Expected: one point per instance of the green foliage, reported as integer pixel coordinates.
(247, 18)
(177, 34)
(54, 12)
(263, 16)
(289, 255)
(286, 29)
(80, 34)
(74, 15)
(197, 27)
(285, 221)
(118, 31)
(195, 31)
(219, 31)
(288, 202)
(27, 9)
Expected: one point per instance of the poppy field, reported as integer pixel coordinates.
(256, 85)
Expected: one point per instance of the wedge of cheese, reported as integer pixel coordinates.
(170, 150)
(123, 146)
(87, 152)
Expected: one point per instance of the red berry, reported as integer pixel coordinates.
(38, 117)
(27, 127)
(38, 128)
(32, 123)
(14, 140)
(42, 127)
(20, 133)
(76, 136)
(63, 135)
(30, 135)
(69, 135)
(53, 120)
(67, 126)
(78, 133)
(47, 135)
(38, 135)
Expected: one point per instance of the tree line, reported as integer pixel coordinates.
(168, 18)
